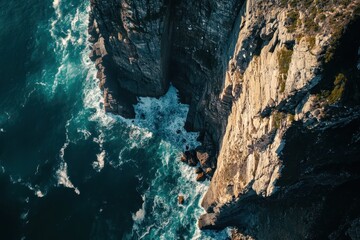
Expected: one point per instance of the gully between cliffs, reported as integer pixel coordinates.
(279, 121)
(138, 47)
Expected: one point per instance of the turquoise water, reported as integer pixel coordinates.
(68, 170)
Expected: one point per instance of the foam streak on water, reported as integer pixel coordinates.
(62, 172)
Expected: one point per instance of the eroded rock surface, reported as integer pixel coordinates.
(273, 88)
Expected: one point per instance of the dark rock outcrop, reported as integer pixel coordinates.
(151, 43)
(261, 78)
(200, 177)
(181, 199)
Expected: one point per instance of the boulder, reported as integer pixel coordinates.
(92, 39)
(201, 177)
(181, 199)
(93, 56)
(198, 170)
(209, 171)
(192, 161)
(183, 158)
(203, 157)
(189, 157)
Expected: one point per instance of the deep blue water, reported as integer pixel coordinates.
(67, 169)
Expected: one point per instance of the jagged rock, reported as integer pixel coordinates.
(198, 170)
(92, 56)
(255, 93)
(209, 171)
(189, 157)
(183, 158)
(206, 221)
(192, 161)
(200, 177)
(181, 199)
(237, 235)
(92, 39)
(133, 37)
(203, 157)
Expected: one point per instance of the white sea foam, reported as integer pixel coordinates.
(24, 215)
(63, 178)
(122, 160)
(74, 30)
(93, 97)
(80, 41)
(100, 161)
(165, 117)
(85, 133)
(138, 136)
(40, 83)
(75, 20)
(62, 172)
(56, 6)
(56, 3)
(39, 193)
(35, 189)
(140, 214)
(65, 41)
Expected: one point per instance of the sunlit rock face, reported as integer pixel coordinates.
(273, 87)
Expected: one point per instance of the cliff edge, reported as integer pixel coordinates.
(273, 88)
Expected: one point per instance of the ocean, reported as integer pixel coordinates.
(68, 170)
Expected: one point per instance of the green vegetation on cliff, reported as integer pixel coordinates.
(310, 17)
(284, 59)
(334, 95)
(339, 87)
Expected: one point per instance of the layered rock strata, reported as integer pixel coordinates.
(273, 88)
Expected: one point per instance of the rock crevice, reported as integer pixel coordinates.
(273, 88)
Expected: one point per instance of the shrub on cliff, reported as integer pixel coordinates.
(284, 59)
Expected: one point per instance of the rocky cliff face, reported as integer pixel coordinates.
(274, 89)
(291, 139)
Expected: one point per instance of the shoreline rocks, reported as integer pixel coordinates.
(253, 81)
(116, 99)
(181, 199)
(203, 170)
(200, 177)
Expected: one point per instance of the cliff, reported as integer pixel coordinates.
(274, 89)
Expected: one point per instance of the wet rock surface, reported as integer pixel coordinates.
(281, 133)
(181, 199)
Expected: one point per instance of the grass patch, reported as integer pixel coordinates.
(311, 42)
(284, 60)
(339, 87)
(334, 95)
(333, 44)
(292, 19)
(277, 119)
(310, 25)
(291, 117)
